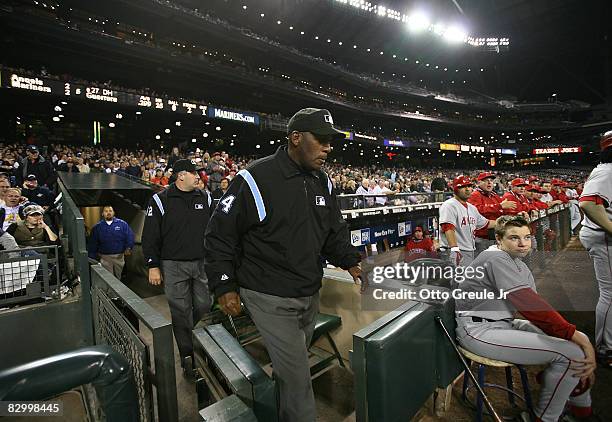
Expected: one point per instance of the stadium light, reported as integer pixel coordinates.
(439, 29)
(455, 34)
(418, 22)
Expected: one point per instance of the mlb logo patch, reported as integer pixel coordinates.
(199, 206)
(328, 119)
(320, 201)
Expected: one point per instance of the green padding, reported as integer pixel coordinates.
(230, 409)
(401, 366)
(253, 385)
(325, 323)
(448, 365)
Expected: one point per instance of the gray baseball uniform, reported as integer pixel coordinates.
(599, 245)
(497, 335)
(466, 220)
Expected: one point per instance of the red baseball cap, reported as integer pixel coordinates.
(606, 140)
(519, 182)
(418, 229)
(558, 182)
(532, 188)
(485, 175)
(533, 178)
(461, 182)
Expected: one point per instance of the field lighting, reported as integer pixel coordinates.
(455, 34)
(418, 22)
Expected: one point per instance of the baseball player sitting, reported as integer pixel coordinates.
(486, 325)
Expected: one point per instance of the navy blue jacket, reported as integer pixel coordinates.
(110, 239)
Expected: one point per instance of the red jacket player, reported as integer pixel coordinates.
(490, 205)
(419, 246)
(517, 195)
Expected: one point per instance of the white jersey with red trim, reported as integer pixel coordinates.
(466, 220)
(599, 184)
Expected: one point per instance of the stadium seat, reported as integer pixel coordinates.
(325, 323)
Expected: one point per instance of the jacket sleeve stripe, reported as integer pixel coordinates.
(159, 204)
(330, 186)
(209, 200)
(261, 208)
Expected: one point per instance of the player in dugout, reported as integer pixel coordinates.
(488, 327)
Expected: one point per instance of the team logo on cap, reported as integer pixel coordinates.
(193, 162)
(328, 119)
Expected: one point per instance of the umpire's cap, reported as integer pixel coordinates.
(185, 165)
(316, 121)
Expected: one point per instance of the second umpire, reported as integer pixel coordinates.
(173, 248)
(265, 245)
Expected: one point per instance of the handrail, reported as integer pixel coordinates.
(106, 369)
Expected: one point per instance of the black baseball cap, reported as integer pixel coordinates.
(316, 121)
(32, 148)
(185, 165)
(31, 177)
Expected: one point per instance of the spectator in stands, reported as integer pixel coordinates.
(363, 188)
(214, 179)
(383, 189)
(11, 207)
(174, 156)
(82, 165)
(220, 191)
(134, 168)
(419, 246)
(32, 231)
(160, 178)
(111, 241)
(7, 165)
(68, 166)
(4, 186)
(37, 194)
(35, 164)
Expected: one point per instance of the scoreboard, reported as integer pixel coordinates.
(109, 95)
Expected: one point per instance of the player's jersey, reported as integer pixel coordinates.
(416, 249)
(466, 220)
(496, 272)
(489, 205)
(520, 200)
(599, 184)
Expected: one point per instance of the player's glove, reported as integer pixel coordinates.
(455, 256)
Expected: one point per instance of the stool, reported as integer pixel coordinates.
(482, 364)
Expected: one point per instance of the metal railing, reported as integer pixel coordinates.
(115, 307)
(358, 202)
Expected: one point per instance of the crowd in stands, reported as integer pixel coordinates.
(412, 108)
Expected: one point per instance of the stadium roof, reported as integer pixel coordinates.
(556, 47)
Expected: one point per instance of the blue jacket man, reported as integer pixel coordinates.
(111, 239)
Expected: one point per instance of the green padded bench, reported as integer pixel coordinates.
(219, 355)
(230, 409)
(326, 323)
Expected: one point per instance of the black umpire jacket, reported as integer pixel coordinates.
(271, 229)
(174, 226)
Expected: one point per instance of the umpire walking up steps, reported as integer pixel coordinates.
(265, 245)
(173, 248)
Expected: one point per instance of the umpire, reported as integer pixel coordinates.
(265, 245)
(173, 248)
